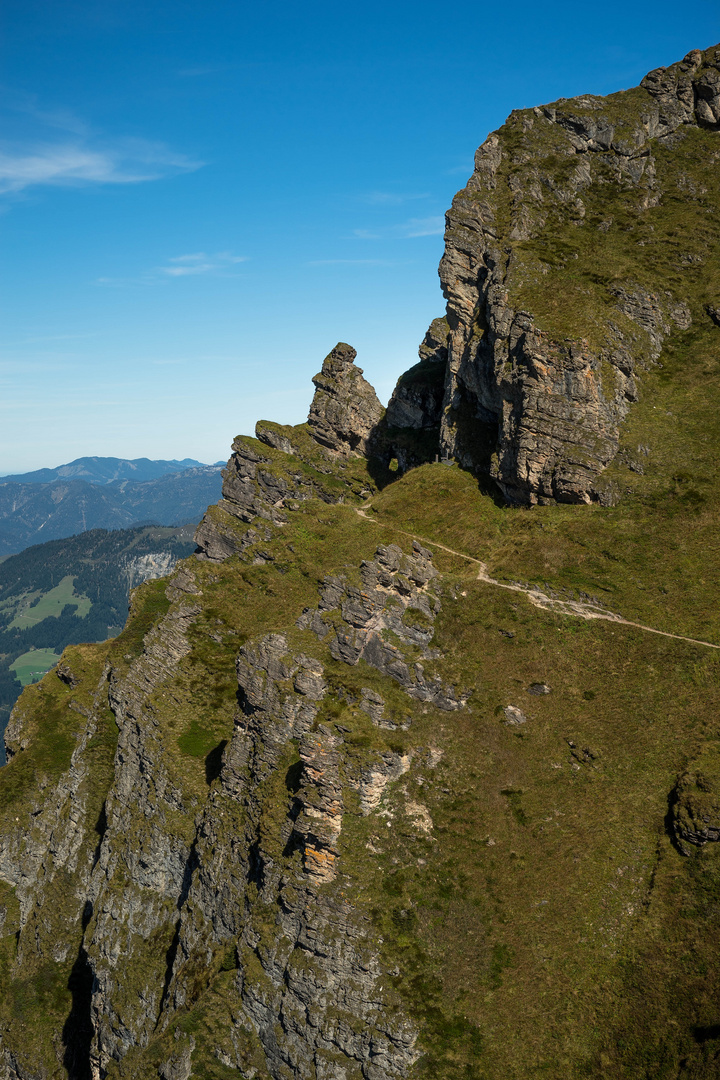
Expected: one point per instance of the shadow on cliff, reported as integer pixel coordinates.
(396, 451)
(214, 762)
(78, 1029)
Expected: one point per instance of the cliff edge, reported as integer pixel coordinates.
(388, 781)
(585, 238)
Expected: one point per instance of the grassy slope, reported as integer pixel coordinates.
(553, 868)
(564, 273)
(549, 916)
(28, 666)
(540, 931)
(547, 927)
(49, 604)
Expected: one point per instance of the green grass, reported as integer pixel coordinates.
(545, 925)
(533, 889)
(32, 665)
(197, 741)
(521, 950)
(41, 606)
(605, 552)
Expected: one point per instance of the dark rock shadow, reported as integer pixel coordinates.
(100, 829)
(78, 1030)
(706, 1034)
(214, 762)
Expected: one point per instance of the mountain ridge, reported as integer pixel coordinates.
(33, 512)
(104, 470)
(359, 793)
(555, 308)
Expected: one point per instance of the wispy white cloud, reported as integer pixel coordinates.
(196, 264)
(428, 226)
(71, 164)
(200, 263)
(407, 230)
(26, 106)
(53, 147)
(123, 283)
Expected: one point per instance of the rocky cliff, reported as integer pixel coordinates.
(345, 409)
(585, 236)
(389, 780)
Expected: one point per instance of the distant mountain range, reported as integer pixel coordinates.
(95, 493)
(105, 470)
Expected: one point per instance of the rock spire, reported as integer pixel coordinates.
(345, 409)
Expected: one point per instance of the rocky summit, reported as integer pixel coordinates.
(564, 276)
(412, 769)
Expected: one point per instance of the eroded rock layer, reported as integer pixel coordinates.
(346, 799)
(345, 409)
(553, 310)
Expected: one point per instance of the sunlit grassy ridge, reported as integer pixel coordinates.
(661, 232)
(526, 926)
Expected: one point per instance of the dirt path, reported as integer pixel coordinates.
(536, 596)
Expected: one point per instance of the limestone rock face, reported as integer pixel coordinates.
(155, 564)
(535, 390)
(171, 882)
(417, 399)
(345, 408)
(396, 597)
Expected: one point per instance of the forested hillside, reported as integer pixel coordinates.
(68, 591)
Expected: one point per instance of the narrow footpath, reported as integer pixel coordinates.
(536, 596)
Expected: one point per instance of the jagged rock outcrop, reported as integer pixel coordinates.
(542, 367)
(252, 489)
(695, 803)
(345, 409)
(394, 604)
(272, 474)
(164, 885)
(417, 399)
(320, 804)
(307, 982)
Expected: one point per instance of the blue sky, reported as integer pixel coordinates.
(197, 200)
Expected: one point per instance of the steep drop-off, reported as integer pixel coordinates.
(378, 784)
(586, 235)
